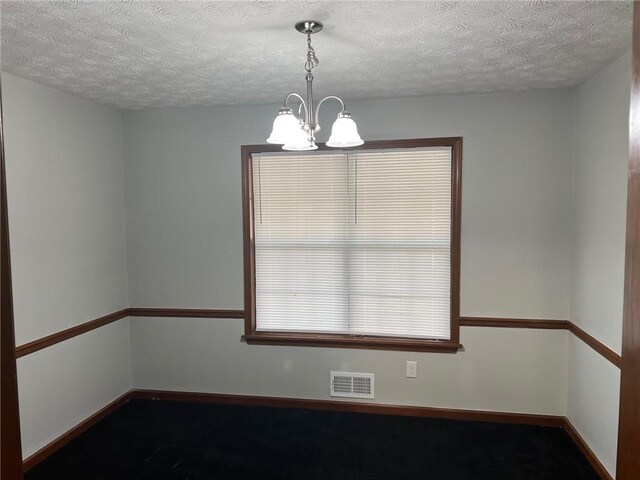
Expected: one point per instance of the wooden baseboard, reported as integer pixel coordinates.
(35, 458)
(329, 405)
(586, 451)
(355, 407)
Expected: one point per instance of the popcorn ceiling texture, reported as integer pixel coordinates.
(138, 54)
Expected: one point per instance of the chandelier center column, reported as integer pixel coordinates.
(310, 105)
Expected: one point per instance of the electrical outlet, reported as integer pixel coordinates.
(412, 369)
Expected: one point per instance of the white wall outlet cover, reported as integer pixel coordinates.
(412, 369)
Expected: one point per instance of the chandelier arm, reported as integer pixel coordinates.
(330, 97)
(302, 103)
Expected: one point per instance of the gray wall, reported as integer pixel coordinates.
(185, 248)
(526, 252)
(65, 191)
(599, 199)
(184, 201)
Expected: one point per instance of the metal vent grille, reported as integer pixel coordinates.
(353, 385)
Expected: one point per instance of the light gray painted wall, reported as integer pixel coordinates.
(599, 199)
(66, 383)
(513, 370)
(185, 250)
(65, 191)
(184, 197)
(593, 400)
(66, 201)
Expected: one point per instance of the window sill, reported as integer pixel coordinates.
(350, 341)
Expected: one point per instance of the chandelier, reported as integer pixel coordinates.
(298, 132)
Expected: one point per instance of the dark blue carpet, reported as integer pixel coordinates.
(155, 440)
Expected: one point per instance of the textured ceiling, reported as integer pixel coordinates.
(136, 54)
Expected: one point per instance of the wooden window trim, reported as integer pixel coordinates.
(251, 336)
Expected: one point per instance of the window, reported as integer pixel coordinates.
(355, 248)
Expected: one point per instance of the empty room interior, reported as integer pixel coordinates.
(320, 240)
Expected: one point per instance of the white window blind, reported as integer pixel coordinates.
(355, 243)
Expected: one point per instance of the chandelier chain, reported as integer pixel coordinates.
(312, 60)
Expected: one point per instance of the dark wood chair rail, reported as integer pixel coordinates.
(58, 337)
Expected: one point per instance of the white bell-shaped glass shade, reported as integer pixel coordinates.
(285, 127)
(344, 132)
(300, 141)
